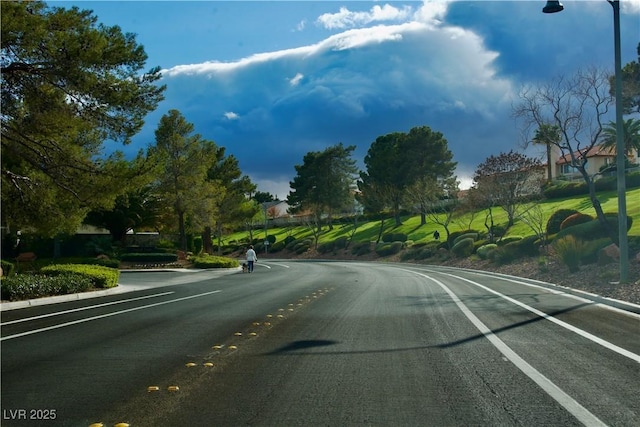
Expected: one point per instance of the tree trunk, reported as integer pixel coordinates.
(207, 245)
(381, 230)
(549, 170)
(613, 234)
(181, 230)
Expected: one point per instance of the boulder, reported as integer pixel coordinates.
(608, 254)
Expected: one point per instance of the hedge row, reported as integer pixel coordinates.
(208, 261)
(29, 286)
(560, 190)
(150, 257)
(101, 277)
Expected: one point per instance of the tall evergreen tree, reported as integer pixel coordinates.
(67, 85)
(324, 182)
(397, 161)
(183, 183)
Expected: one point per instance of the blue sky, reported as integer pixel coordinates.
(273, 80)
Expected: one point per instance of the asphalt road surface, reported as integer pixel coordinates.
(323, 343)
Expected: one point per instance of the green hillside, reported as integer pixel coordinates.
(368, 231)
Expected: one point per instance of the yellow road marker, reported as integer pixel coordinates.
(173, 388)
(153, 388)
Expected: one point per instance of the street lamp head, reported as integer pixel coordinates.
(553, 6)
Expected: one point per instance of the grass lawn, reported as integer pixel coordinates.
(368, 231)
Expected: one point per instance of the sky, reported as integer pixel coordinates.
(273, 80)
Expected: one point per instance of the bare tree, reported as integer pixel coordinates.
(578, 106)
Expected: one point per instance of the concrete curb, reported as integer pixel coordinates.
(120, 289)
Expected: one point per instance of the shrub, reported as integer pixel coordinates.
(105, 262)
(149, 257)
(593, 229)
(592, 249)
(302, 246)
(341, 242)
(453, 236)
(485, 251)
(556, 218)
(28, 286)
(575, 219)
(271, 239)
(463, 248)
(570, 250)
(8, 268)
(209, 261)
(100, 277)
(288, 240)
(503, 255)
(276, 247)
(387, 249)
(528, 246)
(361, 248)
(326, 247)
(473, 236)
(509, 239)
(394, 237)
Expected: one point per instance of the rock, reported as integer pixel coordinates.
(608, 254)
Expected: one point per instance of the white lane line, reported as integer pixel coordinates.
(58, 313)
(585, 334)
(115, 313)
(570, 404)
(560, 291)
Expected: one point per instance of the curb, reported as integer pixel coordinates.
(120, 289)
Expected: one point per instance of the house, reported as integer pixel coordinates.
(597, 157)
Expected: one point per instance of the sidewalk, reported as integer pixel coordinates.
(121, 288)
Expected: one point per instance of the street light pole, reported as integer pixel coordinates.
(623, 243)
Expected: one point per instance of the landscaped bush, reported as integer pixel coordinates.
(361, 248)
(570, 250)
(528, 246)
(288, 240)
(556, 218)
(592, 248)
(210, 261)
(463, 248)
(387, 249)
(149, 257)
(101, 277)
(484, 252)
(453, 236)
(325, 248)
(563, 190)
(276, 247)
(7, 268)
(504, 255)
(394, 237)
(302, 246)
(575, 219)
(105, 262)
(592, 230)
(509, 239)
(473, 236)
(28, 286)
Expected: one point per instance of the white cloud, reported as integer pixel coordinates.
(348, 19)
(295, 81)
(231, 115)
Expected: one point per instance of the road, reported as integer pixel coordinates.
(323, 343)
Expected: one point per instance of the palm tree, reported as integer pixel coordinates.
(548, 135)
(631, 129)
